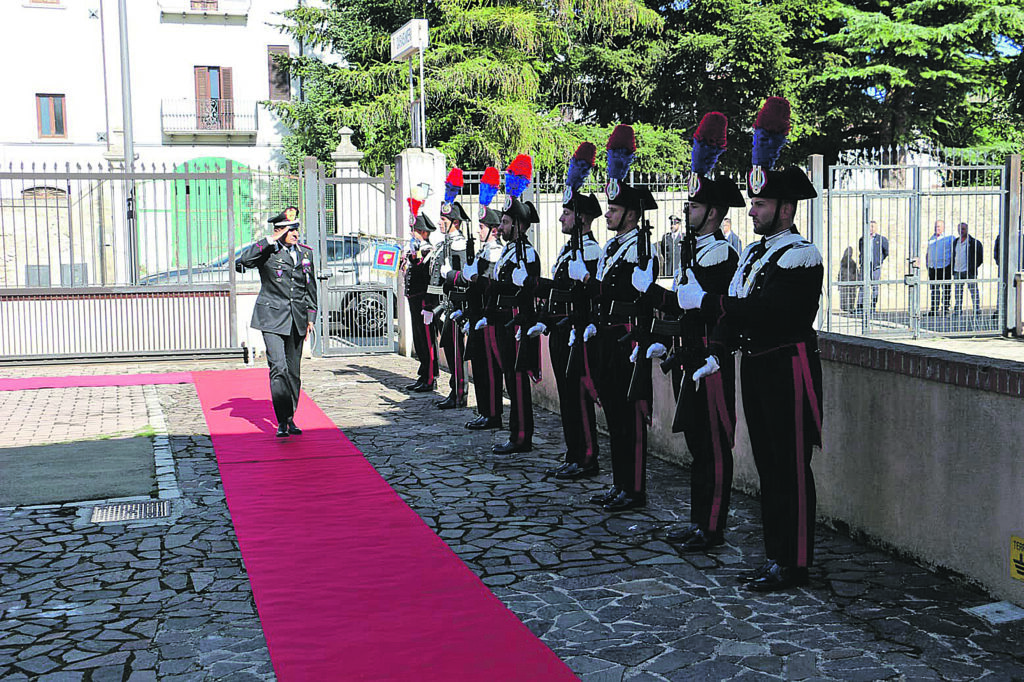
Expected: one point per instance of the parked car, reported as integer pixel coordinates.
(362, 309)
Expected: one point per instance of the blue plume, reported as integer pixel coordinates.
(515, 185)
(704, 158)
(450, 192)
(487, 193)
(619, 161)
(767, 146)
(578, 172)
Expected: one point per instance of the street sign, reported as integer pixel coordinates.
(409, 39)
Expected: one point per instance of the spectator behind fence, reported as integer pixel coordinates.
(670, 245)
(967, 258)
(939, 261)
(848, 272)
(731, 236)
(1020, 251)
(878, 251)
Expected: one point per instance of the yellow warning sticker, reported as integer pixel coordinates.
(1016, 557)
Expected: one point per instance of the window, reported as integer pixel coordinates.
(280, 82)
(205, 5)
(37, 275)
(50, 115)
(51, 3)
(215, 106)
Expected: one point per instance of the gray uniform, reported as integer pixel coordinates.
(284, 307)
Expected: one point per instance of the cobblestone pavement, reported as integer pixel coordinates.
(606, 593)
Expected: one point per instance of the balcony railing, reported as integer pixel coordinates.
(208, 116)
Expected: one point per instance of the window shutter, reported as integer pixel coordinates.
(227, 96)
(280, 81)
(202, 94)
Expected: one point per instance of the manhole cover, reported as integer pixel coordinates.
(131, 511)
(998, 613)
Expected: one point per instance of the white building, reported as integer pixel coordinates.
(198, 70)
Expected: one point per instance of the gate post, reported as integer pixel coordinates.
(817, 235)
(229, 195)
(1009, 256)
(311, 209)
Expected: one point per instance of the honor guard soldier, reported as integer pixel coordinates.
(511, 310)
(482, 342)
(769, 312)
(705, 410)
(448, 262)
(285, 309)
(418, 256)
(626, 411)
(568, 312)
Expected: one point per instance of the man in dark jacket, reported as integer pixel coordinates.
(872, 259)
(967, 258)
(285, 309)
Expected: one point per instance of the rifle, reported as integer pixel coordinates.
(678, 328)
(580, 304)
(641, 385)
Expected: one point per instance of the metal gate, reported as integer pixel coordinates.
(351, 231)
(901, 231)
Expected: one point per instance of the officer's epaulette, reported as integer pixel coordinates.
(305, 245)
(459, 243)
(800, 255)
(591, 250)
(716, 252)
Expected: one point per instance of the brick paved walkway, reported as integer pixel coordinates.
(123, 602)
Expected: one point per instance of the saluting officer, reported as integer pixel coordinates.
(617, 311)
(769, 312)
(285, 309)
(568, 312)
(418, 255)
(705, 410)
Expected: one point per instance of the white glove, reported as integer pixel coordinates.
(577, 269)
(519, 333)
(643, 279)
(536, 330)
(572, 337)
(690, 294)
(465, 327)
(481, 323)
(428, 316)
(710, 367)
(445, 269)
(657, 350)
(519, 276)
(589, 333)
(456, 314)
(635, 354)
(471, 270)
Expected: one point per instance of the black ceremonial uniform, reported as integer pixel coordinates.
(568, 309)
(482, 344)
(285, 306)
(417, 279)
(450, 255)
(706, 413)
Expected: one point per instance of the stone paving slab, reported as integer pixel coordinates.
(607, 593)
(65, 415)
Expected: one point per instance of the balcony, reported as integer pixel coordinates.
(205, 11)
(209, 121)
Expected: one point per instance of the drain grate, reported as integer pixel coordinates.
(131, 511)
(998, 613)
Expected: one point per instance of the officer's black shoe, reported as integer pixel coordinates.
(508, 447)
(423, 388)
(624, 501)
(450, 402)
(681, 534)
(702, 541)
(293, 429)
(606, 496)
(282, 431)
(554, 471)
(780, 578)
(574, 471)
(483, 423)
(415, 386)
(758, 572)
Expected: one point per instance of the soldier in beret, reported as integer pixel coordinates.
(285, 309)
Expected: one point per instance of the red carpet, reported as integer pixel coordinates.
(14, 384)
(349, 582)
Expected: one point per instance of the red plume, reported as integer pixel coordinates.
(622, 138)
(455, 177)
(587, 151)
(774, 116)
(522, 166)
(712, 129)
(491, 176)
(414, 205)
